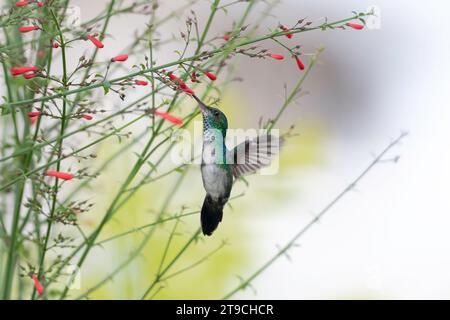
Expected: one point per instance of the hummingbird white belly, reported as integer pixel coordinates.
(216, 181)
(217, 178)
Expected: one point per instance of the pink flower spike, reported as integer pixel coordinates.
(167, 116)
(300, 64)
(33, 114)
(88, 117)
(121, 58)
(211, 76)
(96, 42)
(60, 175)
(276, 56)
(30, 75)
(28, 29)
(22, 70)
(37, 285)
(355, 26)
(141, 82)
(22, 3)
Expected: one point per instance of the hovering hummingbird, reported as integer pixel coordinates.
(221, 167)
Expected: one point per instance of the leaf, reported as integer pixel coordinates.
(106, 86)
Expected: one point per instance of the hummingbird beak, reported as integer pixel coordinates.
(203, 107)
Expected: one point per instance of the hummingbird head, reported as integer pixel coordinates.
(213, 118)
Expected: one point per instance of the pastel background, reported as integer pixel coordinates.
(389, 238)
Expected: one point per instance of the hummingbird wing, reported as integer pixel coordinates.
(253, 154)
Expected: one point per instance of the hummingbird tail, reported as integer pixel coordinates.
(211, 216)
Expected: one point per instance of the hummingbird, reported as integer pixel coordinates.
(221, 167)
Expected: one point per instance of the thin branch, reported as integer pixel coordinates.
(282, 251)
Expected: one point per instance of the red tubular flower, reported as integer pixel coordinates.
(355, 26)
(33, 120)
(30, 75)
(37, 285)
(183, 85)
(141, 82)
(22, 70)
(167, 116)
(173, 77)
(22, 3)
(96, 42)
(176, 79)
(189, 91)
(211, 76)
(60, 175)
(300, 64)
(88, 117)
(33, 114)
(285, 28)
(226, 37)
(28, 29)
(121, 58)
(194, 77)
(40, 4)
(276, 56)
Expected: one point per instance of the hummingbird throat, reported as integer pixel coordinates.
(214, 149)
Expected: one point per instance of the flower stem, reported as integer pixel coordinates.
(283, 250)
(50, 219)
(167, 65)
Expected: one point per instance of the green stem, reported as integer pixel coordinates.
(136, 168)
(296, 90)
(200, 261)
(94, 55)
(112, 133)
(161, 221)
(170, 64)
(12, 254)
(59, 150)
(144, 242)
(170, 265)
(84, 128)
(283, 250)
(10, 98)
(111, 209)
